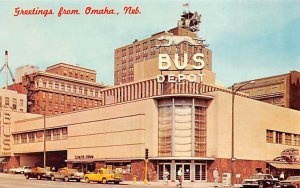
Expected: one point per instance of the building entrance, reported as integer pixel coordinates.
(162, 168)
(186, 169)
(200, 172)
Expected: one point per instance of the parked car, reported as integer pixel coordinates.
(261, 181)
(20, 170)
(104, 176)
(38, 173)
(292, 181)
(67, 174)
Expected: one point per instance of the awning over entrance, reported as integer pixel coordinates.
(285, 165)
(2, 159)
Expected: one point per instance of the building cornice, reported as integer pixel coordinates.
(56, 76)
(70, 66)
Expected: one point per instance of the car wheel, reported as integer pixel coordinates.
(66, 179)
(21, 172)
(104, 181)
(52, 178)
(116, 182)
(78, 180)
(27, 176)
(39, 177)
(87, 180)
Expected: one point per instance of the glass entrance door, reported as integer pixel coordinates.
(200, 172)
(186, 169)
(161, 168)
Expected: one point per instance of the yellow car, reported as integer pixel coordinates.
(103, 175)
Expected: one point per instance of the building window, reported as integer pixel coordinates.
(6, 101)
(31, 137)
(165, 131)
(39, 136)
(14, 105)
(288, 138)
(48, 135)
(279, 137)
(50, 85)
(50, 95)
(296, 139)
(62, 87)
(44, 94)
(85, 91)
(17, 139)
(270, 138)
(68, 88)
(56, 134)
(64, 133)
(23, 138)
(200, 131)
(56, 85)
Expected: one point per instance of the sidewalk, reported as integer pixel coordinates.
(173, 184)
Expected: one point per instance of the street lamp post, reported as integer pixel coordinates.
(233, 92)
(44, 114)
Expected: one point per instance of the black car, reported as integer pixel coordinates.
(292, 182)
(261, 181)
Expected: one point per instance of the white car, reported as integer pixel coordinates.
(20, 170)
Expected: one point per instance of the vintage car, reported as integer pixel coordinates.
(292, 181)
(20, 170)
(38, 173)
(67, 174)
(261, 181)
(104, 175)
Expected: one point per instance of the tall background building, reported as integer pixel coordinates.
(24, 70)
(281, 90)
(139, 60)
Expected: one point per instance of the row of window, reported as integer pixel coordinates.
(77, 75)
(69, 88)
(282, 138)
(14, 103)
(38, 136)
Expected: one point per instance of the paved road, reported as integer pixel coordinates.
(18, 181)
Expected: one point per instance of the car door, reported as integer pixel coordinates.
(93, 176)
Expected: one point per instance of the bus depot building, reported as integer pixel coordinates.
(186, 125)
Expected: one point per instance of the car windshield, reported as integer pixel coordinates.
(73, 170)
(293, 178)
(257, 176)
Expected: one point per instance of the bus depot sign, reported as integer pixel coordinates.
(165, 62)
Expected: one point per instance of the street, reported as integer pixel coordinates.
(18, 180)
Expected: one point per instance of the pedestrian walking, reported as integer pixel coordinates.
(281, 177)
(216, 177)
(180, 177)
(166, 177)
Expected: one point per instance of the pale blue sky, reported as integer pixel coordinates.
(249, 39)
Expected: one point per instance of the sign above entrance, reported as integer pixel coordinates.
(84, 156)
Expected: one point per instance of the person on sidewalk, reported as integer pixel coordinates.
(180, 177)
(216, 177)
(281, 177)
(166, 177)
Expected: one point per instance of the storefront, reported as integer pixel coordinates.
(194, 170)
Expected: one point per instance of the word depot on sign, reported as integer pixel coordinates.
(164, 64)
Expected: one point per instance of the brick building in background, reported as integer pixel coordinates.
(62, 88)
(24, 70)
(281, 90)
